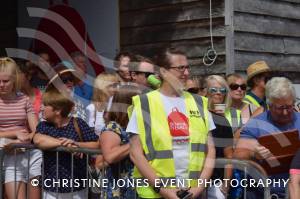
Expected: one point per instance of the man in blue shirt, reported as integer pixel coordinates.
(280, 117)
(84, 90)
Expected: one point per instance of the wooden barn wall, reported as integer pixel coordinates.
(8, 24)
(268, 30)
(146, 26)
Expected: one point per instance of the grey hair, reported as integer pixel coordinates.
(279, 87)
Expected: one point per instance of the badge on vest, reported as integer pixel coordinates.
(178, 123)
(195, 114)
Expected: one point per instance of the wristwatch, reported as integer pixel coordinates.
(157, 187)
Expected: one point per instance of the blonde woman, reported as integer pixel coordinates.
(17, 125)
(104, 88)
(237, 85)
(219, 104)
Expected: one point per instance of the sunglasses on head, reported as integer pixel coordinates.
(213, 90)
(67, 79)
(237, 86)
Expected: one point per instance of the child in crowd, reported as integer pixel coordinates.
(61, 130)
(17, 125)
(114, 141)
(104, 88)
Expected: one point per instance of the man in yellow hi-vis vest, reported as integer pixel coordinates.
(171, 146)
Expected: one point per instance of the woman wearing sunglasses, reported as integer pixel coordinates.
(219, 103)
(238, 87)
(64, 80)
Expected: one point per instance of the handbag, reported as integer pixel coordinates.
(93, 172)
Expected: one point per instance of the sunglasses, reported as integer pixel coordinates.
(237, 86)
(194, 90)
(67, 79)
(181, 68)
(147, 74)
(213, 90)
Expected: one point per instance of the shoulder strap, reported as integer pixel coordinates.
(199, 102)
(77, 129)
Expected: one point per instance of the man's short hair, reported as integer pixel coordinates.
(120, 55)
(136, 61)
(163, 58)
(279, 88)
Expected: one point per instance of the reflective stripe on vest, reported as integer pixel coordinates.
(234, 118)
(251, 100)
(199, 102)
(147, 122)
(157, 141)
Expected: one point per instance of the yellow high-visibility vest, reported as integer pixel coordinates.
(156, 139)
(234, 118)
(251, 100)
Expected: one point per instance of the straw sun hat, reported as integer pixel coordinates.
(257, 68)
(60, 70)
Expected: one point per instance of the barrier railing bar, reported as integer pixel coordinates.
(240, 164)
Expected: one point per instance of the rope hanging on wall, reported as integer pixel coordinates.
(210, 56)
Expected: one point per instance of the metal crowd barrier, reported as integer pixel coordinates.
(14, 148)
(249, 167)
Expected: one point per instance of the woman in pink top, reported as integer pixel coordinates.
(17, 125)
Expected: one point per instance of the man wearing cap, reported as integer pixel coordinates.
(258, 74)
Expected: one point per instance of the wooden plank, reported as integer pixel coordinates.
(175, 13)
(126, 5)
(171, 32)
(258, 43)
(293, 76)
(292, 45)
(193, 48)
(278, 62)
(229, 14)
(198, 68)
(263, 43)
(266, 25)
(271, 8)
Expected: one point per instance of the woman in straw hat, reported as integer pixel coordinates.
(64, 80)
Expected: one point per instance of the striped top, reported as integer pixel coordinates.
(13, 113)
